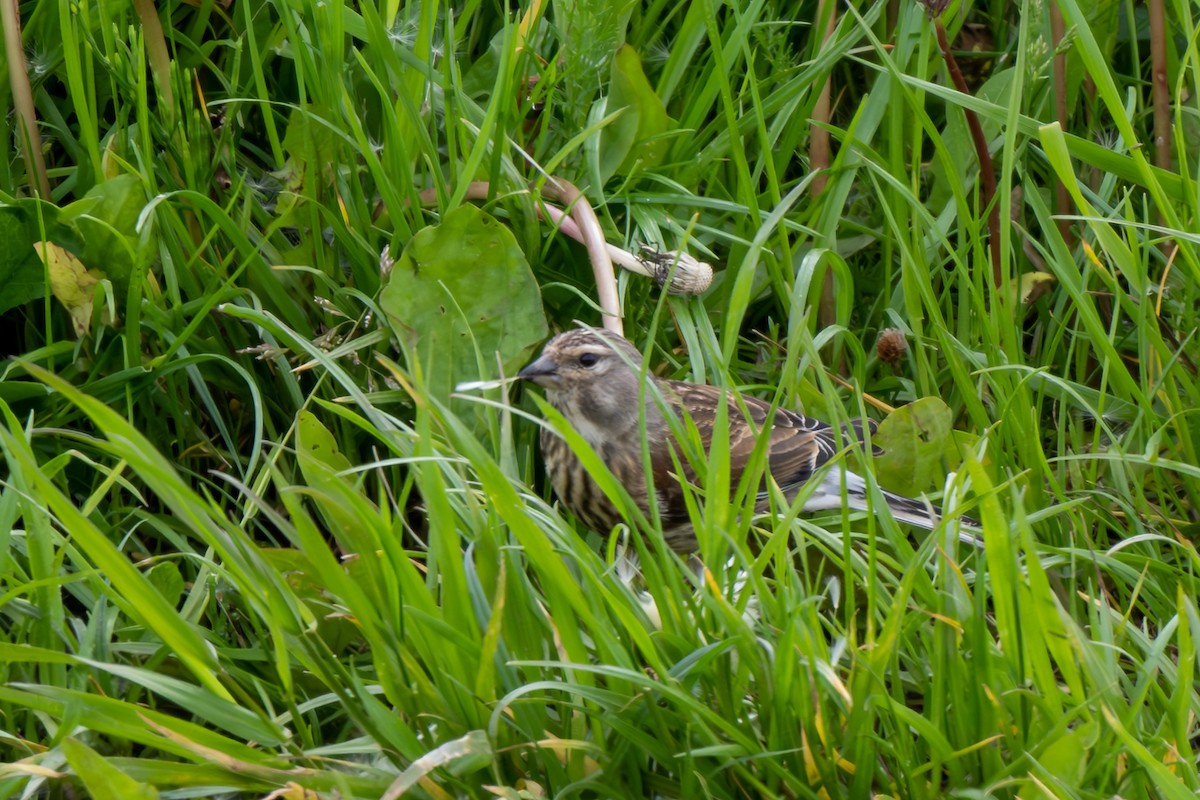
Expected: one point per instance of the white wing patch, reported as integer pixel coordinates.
(829, 494)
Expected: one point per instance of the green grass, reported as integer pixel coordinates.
(249, 542)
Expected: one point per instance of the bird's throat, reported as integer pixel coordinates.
(603, 423)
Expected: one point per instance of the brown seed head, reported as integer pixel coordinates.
(934, 8)
(891, 346)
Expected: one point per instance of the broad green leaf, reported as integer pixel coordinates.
(106, 219)
(320, 462)
(337, 631)
(165, 577)
(22, 276)
(17, 391)
(636, 135)
(460, 294)
(318, 442)
(102, 780)
(914, 439)
(307, 142)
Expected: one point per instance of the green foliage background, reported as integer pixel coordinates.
(249, 544)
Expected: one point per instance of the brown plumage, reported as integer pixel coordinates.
(593, 379)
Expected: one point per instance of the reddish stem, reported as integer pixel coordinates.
(819, 159)
(1158, 80)
(986, 171)
(18, 76)
(1062, 198)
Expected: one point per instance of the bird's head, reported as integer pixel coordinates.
(583, 357)
(589, 374)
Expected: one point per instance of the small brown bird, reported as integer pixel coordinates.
(592, 378)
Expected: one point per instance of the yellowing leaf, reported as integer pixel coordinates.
(71, 282)
(1034, 285)
(292, 791)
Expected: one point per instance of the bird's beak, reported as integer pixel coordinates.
(543, 372)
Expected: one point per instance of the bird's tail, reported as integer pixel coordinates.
(830, 494)
(925, 515)
(914, 512)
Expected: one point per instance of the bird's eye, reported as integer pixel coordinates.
(588, 360)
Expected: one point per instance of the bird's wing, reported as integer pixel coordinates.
(797, 445)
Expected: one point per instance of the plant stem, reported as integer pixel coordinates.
(1062, 198)
(18, 76)
(819, 158)
(986, 171)
(581, 211)
(1161, 90)
(156, 47)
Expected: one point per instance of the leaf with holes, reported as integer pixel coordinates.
(915, 439)
(462, 295)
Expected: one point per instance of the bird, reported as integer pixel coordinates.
(593, 378)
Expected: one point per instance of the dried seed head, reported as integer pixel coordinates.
(386, 262)
(934, 8)
(679, 272)
(891, 346)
